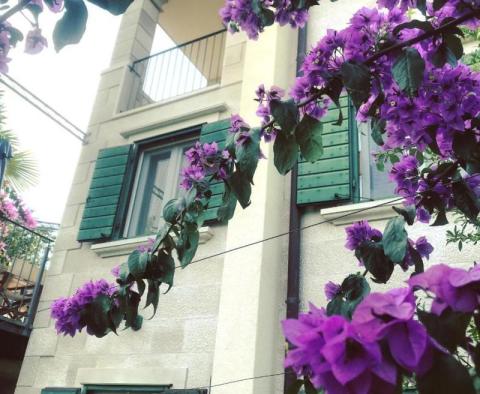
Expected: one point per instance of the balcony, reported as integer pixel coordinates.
(23, 259)
(177, 71)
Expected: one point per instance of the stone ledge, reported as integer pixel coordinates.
(124, 247)
(371, 211)
(132, 376)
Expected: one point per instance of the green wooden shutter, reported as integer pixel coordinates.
(216, 131)
(334, 176)
(60, 390)
(104, 194)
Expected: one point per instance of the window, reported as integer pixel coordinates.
(374, 184)
(121, 389)
(346, 173)
(137, 389)
(156, 181)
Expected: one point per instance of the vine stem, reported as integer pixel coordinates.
(13, 10)
(400, 45)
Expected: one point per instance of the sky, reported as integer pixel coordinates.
(67, 81)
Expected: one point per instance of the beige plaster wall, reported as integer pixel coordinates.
(177, 345)
(324, 256)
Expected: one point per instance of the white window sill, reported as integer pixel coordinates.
(124, 247)
(370, 211)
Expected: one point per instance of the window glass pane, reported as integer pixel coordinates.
(157, 181)
(381, 186)
(150, 192)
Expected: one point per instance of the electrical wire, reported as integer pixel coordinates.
(387, 202)
(383, 203)
(239, 381)
(43, 107)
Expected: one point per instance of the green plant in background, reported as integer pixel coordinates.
(22, 171)
(473, 60)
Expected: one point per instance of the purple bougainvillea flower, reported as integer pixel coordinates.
(423, 247)
(116, 271)
(360, 232)
(389, 316)
(332, 290)
(54, 5)
(146, 247)
(67, 311)
(35, 42)
(405, 175)
(456, 288)
(330, 351)
(238, 124)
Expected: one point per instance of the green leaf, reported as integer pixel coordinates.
(285, 150)
(448, 329)
(137, 263)
(129, 305)
(70, 28)
(308, 134)
(97, 316)
(229, 202)
(465, 199)
(408, 70)
(375, 261)
(153, 295)
(171, 210)
(422, 6)
(446, 376)
(15, 36)
(309, 388)
(241, 188)
(409, 213)
(354, 289)
(115, 7)
(441, 219)
(137, 323)
(454, 44)
(437, 4)
(443, 55)
(413, 24)
(395, 240)
(356, 78)
(417, 260)
(140, 286)
(334, 89)
(187, 244)
(466, 147)
(295, 387)
(285, 114)
(247, 155)
(169, 268)
(378, 129)
(161, 234)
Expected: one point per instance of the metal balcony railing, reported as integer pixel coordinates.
(24, 255)
(176, 71)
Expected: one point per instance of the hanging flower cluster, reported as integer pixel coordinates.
(454, 288)
(367, 354)
(253, 16)
(374, 253)
(204, 160)
(67, 312)
(13, 208)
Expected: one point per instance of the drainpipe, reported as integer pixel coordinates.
(293, 276)
(5, 154)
